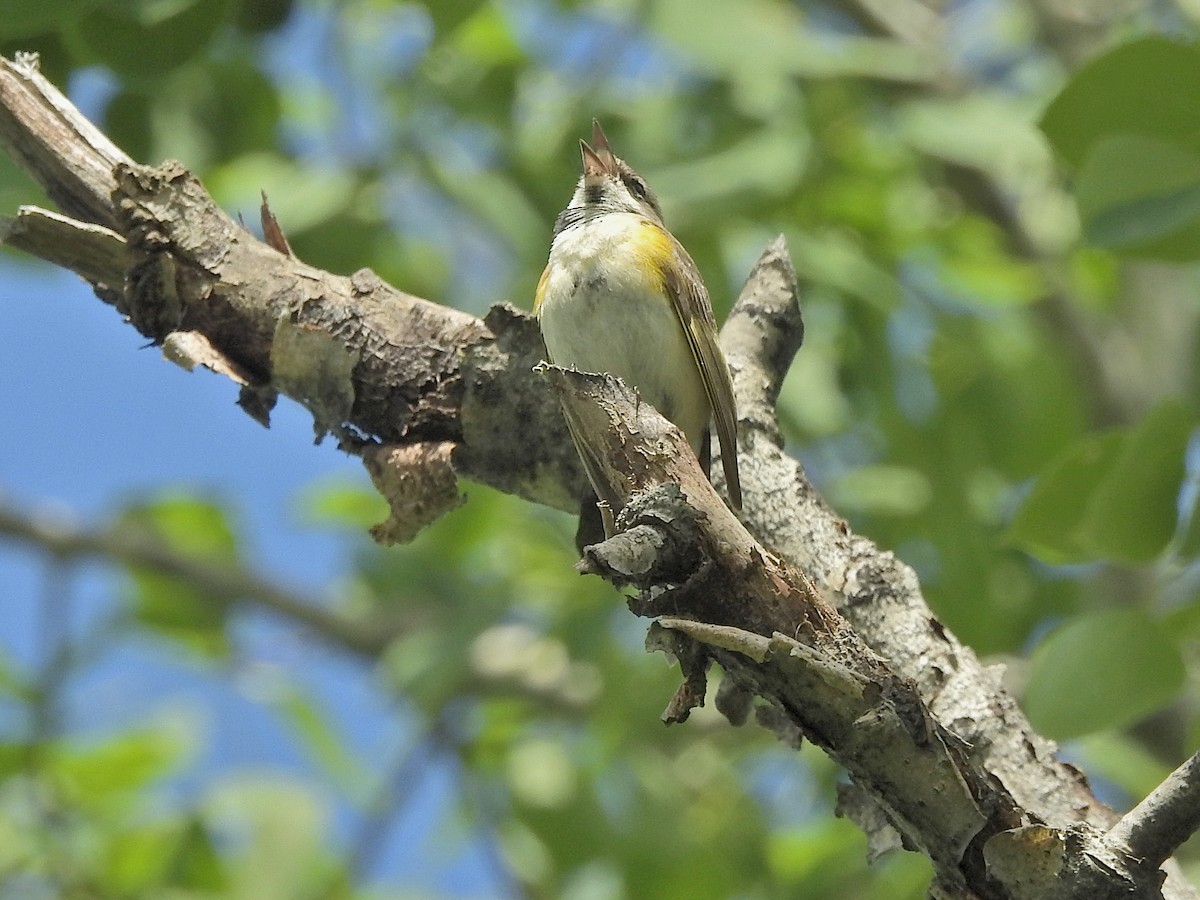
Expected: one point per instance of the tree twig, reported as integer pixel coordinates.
(229, 582)
(1170, 814)
(94, 252)
(43, 132)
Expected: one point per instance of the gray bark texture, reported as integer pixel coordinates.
(820, 633)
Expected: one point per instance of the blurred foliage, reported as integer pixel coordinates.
(996, 230)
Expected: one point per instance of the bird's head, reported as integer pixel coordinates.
(607, 185)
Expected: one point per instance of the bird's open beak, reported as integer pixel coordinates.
(598, 158)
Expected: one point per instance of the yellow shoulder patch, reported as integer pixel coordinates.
(540, 293)
(656, 248)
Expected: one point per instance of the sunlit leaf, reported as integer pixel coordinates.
(1048, 521)
(110, 772)
(326, 745)
(14, 757)
(842, 262)
(342, 504)
(1101, 670)
(823, 858)
(1110, 96)
(449, 14)
(1142, 195)
(881, 490)
(499, 201)
(716, 34)
(1134, 511)
(177, 609)
(763, 162)
(1113, 496)
(301, 197)
(424, 666)
(275, 830)
(1189, 543)
(172, 603)
(145, 859)
(1122, 759)
(990, 132)
(184, 523)
(487, 37)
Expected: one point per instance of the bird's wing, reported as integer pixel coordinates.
(690, 297)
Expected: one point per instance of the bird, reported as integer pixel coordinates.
(620, 295)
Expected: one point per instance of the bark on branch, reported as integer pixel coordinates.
(423, 393)
(1155, 828)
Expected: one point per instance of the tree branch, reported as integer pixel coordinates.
(43, 132)
(94, 252)
(229, 582)
(776, 638)
(1156, 827)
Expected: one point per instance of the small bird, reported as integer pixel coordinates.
(620, 295)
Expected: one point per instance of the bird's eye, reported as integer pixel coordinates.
(637, 187)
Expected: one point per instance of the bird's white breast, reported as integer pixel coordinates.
(603, 309)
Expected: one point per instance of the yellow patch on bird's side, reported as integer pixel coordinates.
(655, 247)
(541, 291)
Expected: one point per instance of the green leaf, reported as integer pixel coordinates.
(1189, 543)
(148, 39)
(240, 105)
(263, 15)
(1134, 511)
(1110, 497)
(186, 524)
(1189, 540)
(277, 830)
(833, 258)
(342, 504)
(1183, 620)
(1134, 89)
(196, 863)
(800, 856)
(14, 758)
(323, 742)
(1047, 523)
(715, 35)
(449, 14)
(144, 860)
(1142, 195)
(422, 666)
(182, 609)
(823, 860)
(137, 860)
(1124, 760)
(301, 197)
(882, 490)
(498, 200)
(487, 38)
(989, 131)
(13, 683)
(26, 18)
(1102, 670)
(996, 282)
(111, 772)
